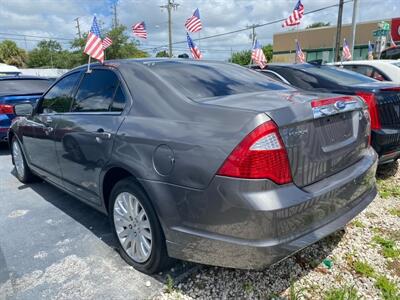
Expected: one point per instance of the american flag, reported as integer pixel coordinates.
(392, 43)
(300, 57)
(257, 55)
(370, 51)
(346, 54)
(107, 42)
(295, 17)
(139, 29)
(94, 44)
(193, 24)
(196, 54)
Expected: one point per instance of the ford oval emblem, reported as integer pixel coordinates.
(339, 105)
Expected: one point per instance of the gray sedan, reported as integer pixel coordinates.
(201, 161)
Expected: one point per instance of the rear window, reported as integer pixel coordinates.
(198, 81)
(339, 76)
(23, 86)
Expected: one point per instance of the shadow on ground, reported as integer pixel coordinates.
(4, 150)
(387, 170)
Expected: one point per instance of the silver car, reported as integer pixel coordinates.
(201, 161)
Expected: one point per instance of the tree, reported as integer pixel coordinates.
(11, 54)
(122, 47)
(243, 57)
(318, 24)
(163, 53)
(46, 54)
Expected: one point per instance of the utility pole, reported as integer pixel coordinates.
(169, 6)
(115, 18)
(78, 27)
(338, 31)
(353, 26)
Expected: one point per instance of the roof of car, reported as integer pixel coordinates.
(367, 62)
(21, 77)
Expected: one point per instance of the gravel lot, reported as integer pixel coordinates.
(361, 262)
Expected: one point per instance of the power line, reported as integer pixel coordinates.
(36, 36)
(258, 25)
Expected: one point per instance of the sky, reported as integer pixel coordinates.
(37, 19)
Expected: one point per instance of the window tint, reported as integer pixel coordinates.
(198, 81)
(337, 75)
(119, 100)
(59, 97)
(22, 86)
(272, 75)
(96, 91)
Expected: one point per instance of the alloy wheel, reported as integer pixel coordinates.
(133, 227)
(18, 159)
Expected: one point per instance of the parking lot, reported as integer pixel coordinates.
(54, 247)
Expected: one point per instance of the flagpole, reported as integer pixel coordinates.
(88, 66)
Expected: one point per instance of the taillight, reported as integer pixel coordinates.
(329, 101)
(369, 99)
(6, 109)
(261, 155)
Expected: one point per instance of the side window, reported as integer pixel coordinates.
(119, 100)
(59, 98)
(96, 91)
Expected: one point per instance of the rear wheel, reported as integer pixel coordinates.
(136, 227)
(22, 170)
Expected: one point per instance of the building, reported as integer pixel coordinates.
(319, 43)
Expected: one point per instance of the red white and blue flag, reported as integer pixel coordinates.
(193, 24)
(139, 29)
(346, 54)
(300, 57)
(370, 51)
(257, 55)
(196, 54)
(107, 42)
(94, 44)
(295, 17)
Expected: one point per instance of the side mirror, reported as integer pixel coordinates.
(23, 109)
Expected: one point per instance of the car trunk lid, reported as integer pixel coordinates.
(321, 137)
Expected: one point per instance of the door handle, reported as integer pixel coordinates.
(101, 134)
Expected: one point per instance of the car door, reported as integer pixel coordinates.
(86, 133)
(39, 133)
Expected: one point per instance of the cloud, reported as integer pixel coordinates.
(55, 18)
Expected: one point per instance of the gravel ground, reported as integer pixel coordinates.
(361, 262)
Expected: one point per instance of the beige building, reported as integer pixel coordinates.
(319, 43)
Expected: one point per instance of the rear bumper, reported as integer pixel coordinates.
(251, 224)
(386, 143)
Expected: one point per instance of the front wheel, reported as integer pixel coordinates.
(23, 172)
(137, 228)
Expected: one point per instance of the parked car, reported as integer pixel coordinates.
(203, 161)
(17, 89)
(382, 98)
(382, 70)
(391, 53)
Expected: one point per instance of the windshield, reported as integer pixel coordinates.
(338, 75)
(205, 80)
(23, 86)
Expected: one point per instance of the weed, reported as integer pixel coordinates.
(343, 293)
(388, 189)
(395, 212)
(388, 247)
(388, 288)
(170, 284)
(295, 294)
(363, 268)
(358, 223)
(248, 287)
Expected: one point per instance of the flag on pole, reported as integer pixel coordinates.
(193, 24)
(300, 57)
(139, 29)
(392, 43)
(196, 54)
(257, 55)
(346, 54)
(107, 42)
(94, 44)
(295, 17)
(370, 51)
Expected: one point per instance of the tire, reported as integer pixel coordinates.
(130, 227)
(22, 170)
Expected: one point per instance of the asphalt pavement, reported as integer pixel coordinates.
(54, 247)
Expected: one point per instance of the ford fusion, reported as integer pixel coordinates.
(202, 161)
